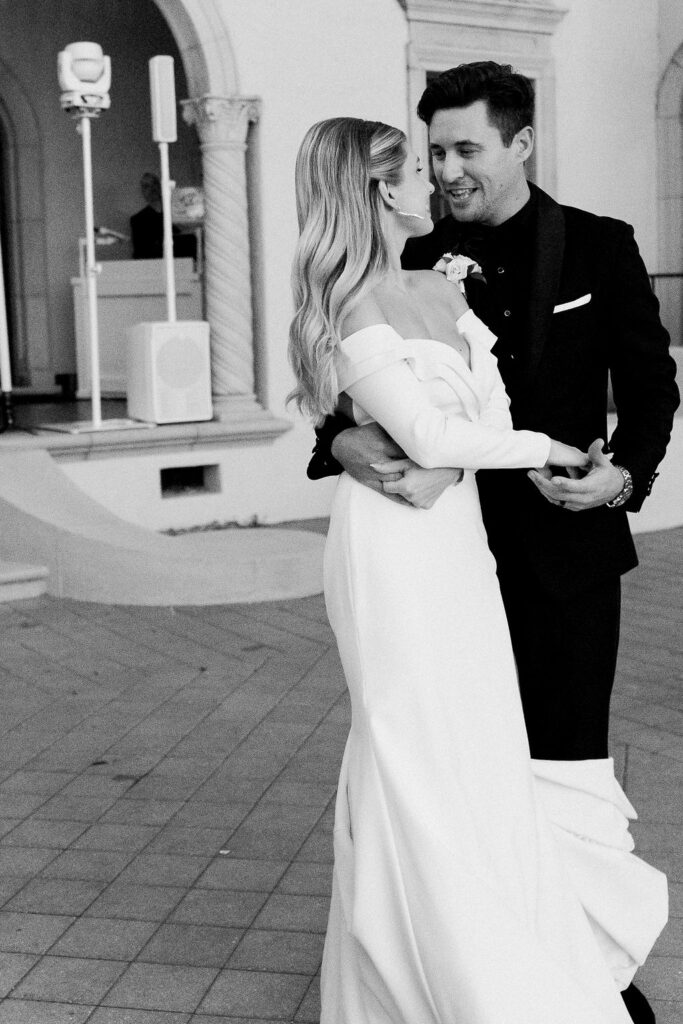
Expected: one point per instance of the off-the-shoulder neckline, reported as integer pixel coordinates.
(433, 341)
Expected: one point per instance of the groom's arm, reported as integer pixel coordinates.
(643, 383)
(642, 370)
(323, 462)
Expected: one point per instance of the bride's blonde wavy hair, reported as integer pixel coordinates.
(342, 250)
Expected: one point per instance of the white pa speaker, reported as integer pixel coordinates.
(169, 372)
(162, 94)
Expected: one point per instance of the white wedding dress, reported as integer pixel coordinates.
(451, 901)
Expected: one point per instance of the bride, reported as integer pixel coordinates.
(450, 904)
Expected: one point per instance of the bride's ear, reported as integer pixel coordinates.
(386, 195)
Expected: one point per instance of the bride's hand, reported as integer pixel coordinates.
(419, 487)
(567, 456)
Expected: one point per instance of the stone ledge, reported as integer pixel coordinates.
(64, 447)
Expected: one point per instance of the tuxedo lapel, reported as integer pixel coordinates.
(545, 280)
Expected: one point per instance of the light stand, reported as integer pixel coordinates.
(84, 78)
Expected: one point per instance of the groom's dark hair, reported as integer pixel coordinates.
(508, 95)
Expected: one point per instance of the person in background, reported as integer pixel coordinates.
(147, 226)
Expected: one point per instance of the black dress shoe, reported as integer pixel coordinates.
(638, 1006)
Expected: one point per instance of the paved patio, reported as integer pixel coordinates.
(166, 793)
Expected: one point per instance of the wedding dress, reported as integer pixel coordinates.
(451, 902)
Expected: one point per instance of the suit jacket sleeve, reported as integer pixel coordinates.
(323, 462)
(642, 370)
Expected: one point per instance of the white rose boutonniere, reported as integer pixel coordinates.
(457, 268)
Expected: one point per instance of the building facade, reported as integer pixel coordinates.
(252, 77)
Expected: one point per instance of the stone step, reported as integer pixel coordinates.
(19, 581)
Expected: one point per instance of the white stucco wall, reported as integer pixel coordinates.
(606, 68)
(670, 31)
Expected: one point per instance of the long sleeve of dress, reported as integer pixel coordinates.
(375, 373)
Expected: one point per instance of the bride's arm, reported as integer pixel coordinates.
(431, 438)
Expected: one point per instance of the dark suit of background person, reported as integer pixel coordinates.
(560, 570)
(147, 226)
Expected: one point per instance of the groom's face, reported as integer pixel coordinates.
(482, 179)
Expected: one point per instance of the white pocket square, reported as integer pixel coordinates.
(583, 301)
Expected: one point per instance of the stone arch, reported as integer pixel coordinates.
(670, 165)
(24, 194)
(670, 195)
(204, 45)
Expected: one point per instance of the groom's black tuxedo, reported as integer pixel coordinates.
(569, 298)
(556, 371)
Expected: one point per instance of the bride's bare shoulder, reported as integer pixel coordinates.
(366, 313)
(435, 286)
(428, 279)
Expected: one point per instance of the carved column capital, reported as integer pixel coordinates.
(222, 121)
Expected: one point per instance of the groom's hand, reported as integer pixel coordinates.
(367, 454)
(578, 492)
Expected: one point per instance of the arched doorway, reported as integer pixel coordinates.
(669, 289)
(22, 216)
(42, 169)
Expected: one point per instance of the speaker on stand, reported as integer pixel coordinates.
(169, 364)
(169, 372)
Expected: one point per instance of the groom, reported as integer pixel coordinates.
(569, 299)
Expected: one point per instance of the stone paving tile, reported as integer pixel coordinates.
(116, 837)
(99, 865)
(47, 783)
(296, 913)
(660, 845)
(242, 875)
(13, 967)
(55, 896)
(212, 815)
(17, 1011)
(24, 860)
(230, 909)
(56, 835)
(161, 987)
(279, 952)
(192, 945)
(163, 869)
(18, 804)
(114, 1015)
(9, 887)
(75, 979)
(255, 994)
(105, 938)
(309, 1010)
(663, 975)
(188, 841)
(31, 933)
(201, 1018)
(134, 812)
(670, 942)
(136, 902)
(676, 898)
(655, 786)
(307, 879)
(667, 1011)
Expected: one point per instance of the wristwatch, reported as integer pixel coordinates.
(625, 492)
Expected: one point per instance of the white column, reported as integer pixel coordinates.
(222, 124)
